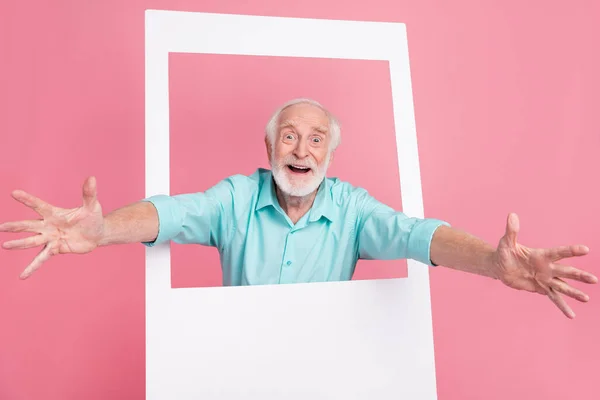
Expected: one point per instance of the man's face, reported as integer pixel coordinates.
(300, 155)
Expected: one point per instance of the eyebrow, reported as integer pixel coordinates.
(321, 128)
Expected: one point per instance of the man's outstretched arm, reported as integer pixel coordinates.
(79, 230)
(134, 223)
(462, 251)
(188, 218)
(517, 266)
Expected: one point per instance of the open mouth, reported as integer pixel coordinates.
(298, 169)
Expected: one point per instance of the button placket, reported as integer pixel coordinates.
(288, 256)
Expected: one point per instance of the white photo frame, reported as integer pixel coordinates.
(368, 339)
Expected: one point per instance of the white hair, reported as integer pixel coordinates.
(335, 136)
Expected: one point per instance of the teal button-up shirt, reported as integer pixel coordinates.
(259, 244)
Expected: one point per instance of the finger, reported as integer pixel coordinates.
(512, 228)
(558, 253)
(37, 262)
(25, 243)
(38, 205)
(22, 226)
(89, 191)
(561, 303)
(563, 287)
(569, 272)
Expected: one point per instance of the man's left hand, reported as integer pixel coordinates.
(539, 270)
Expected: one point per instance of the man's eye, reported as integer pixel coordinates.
(317, 140)
(289, 136)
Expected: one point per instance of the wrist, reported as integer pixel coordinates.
(492, 265)
(103, 237)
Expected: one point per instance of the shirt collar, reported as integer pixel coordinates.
(322, 206)
(267, 196)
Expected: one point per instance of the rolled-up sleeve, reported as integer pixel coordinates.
(201, 218)
(386, 234)
(169, 218)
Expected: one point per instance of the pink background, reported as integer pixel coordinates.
(506, 108)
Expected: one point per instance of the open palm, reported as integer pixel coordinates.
(60, 230)
(539, 270)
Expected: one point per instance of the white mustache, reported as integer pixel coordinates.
(294, 162)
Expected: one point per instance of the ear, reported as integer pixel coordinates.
(268, 147)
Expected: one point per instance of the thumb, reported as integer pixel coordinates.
(89, 192)
(512, 228)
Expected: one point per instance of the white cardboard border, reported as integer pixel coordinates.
(174, 359)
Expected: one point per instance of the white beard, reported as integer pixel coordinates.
(298, 186)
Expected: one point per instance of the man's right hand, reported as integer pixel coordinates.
(60, 231)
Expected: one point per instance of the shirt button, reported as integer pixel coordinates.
(289, 263)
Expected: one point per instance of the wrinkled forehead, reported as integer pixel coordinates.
(304, 115)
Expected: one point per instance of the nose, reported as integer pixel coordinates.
(301, 150)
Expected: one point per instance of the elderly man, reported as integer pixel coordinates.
(293, 224)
